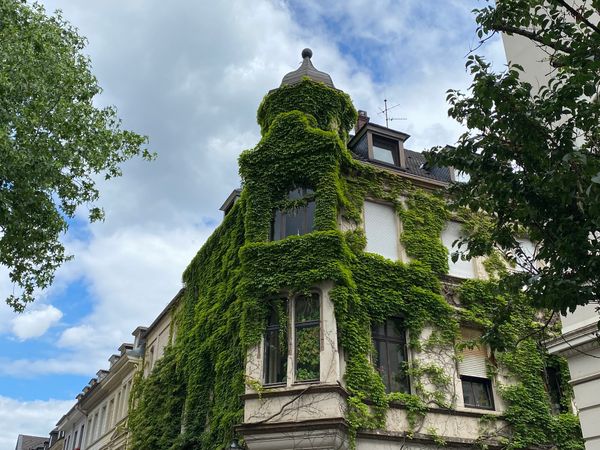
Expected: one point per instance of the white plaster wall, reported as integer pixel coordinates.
(295, 407)
(582, 316)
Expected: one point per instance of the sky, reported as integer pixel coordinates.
(190, 75)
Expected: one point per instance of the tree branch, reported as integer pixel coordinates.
(533, 36)
(577, 15)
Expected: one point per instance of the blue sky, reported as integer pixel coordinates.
(191, 75)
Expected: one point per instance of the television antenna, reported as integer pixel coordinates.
(385, 112)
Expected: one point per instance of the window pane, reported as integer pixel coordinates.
(381, 362)
(278, 313)
(385, 150)
(379, 329)
(307, 353)
(276, 226)
(477, 393)
(383, 154)
(468, 397)
(481, 395)
(397, 357)
(276, 356)
(307, 308)
(294, 222)
(395, 329)
(391, 356)
(296, 194)
(310, 217)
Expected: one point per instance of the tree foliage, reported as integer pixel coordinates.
(532, 154)
(54, 142)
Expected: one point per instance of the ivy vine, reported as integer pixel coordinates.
(192, 398)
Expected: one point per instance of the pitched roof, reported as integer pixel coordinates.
(27, 442)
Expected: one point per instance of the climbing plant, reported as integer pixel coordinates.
(192, 399)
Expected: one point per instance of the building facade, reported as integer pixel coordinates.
(98, 420)
(326, 311)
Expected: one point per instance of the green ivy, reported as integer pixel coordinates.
(192, 398)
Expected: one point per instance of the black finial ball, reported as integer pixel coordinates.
(307, 53)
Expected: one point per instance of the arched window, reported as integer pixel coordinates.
(297, 219)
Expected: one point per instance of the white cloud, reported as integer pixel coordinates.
(35, 418)
(34, 323)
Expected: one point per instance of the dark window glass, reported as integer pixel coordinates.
(477, 392)
(391, 355)
(295, 221)
(276, 343)
(385, 150)
(308, 340)
(553, 386)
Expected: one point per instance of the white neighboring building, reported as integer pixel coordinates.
(579, 342)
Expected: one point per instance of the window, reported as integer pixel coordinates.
(88, 436)
(381, 230)
(276, 343)
(552, 378)
(95, 426)
(391, 355)
(477, 387)
(102, 425)
(306, 326)
(460, 268)
(81, 437)
(477, 392)
(385, 150)
(118, 408)
(75, 439)
(109, 417)
(307, 315)
(297, 220)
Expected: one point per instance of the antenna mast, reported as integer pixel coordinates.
(385, 112)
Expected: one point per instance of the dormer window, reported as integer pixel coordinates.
(297, 219)
(385, 150)
(379, 145)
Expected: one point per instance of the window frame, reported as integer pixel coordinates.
(292, 327)
(307, 324)
(487, 383)
(386, 339)
(391, 145)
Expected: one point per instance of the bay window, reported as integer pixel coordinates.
(305, 324)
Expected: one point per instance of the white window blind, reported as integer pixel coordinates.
(460, 268)
(381, 230)
(528, 248)
(473, 363)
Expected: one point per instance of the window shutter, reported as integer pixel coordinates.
(381, 230)
(473, 363)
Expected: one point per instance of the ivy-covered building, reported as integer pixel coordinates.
(325, 311)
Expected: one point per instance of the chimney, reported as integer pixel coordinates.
(363, 119)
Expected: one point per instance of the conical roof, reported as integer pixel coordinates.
(306, 69)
